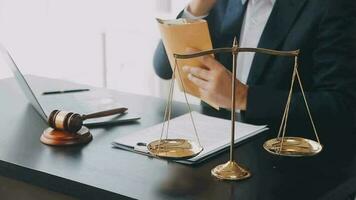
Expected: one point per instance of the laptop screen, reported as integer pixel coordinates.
(22, 82)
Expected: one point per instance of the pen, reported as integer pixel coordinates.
(64, 91)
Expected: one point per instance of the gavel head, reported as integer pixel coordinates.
(66, 121)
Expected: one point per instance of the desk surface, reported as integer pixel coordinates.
(98, 171)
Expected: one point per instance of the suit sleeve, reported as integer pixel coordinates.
(332, 98)
(160, 62)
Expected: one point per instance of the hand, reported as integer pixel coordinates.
(201, 7)
(215, 83)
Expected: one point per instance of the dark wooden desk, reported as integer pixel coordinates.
(97, 171)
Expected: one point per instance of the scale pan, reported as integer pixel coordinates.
(292, 147)
(176, 149)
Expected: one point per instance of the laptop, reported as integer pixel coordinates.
(95, 100)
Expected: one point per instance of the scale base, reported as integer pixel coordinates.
(292, 147)
(230, 171)
(54, 137)
(175, 149)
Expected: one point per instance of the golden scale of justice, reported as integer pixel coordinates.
(177, 149)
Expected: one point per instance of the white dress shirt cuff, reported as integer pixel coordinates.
(188, 15)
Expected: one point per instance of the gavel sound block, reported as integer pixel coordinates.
(55, 137)
(66, 128)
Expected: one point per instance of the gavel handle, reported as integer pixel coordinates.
(104, 113)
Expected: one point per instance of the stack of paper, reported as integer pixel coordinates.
(214, 134)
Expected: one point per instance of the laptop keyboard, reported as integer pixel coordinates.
(82, 103)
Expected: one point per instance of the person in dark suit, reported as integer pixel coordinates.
(323, 30)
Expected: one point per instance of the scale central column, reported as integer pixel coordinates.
(231, 170)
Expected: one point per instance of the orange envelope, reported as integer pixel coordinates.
(177, 36)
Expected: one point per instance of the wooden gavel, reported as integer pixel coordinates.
(73, 122)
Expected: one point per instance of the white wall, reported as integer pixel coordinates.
(63, 39)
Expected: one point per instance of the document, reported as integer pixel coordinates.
(214, 135)
(177, 36)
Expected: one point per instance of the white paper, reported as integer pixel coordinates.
(214, 133)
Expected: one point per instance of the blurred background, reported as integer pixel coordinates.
(103, 43)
